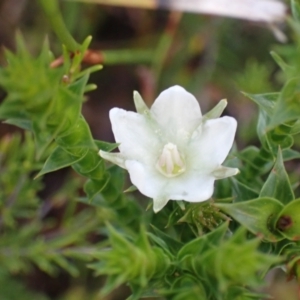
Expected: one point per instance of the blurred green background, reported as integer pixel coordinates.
(144, 50)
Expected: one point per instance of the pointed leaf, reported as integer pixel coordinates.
(116, 158)
(78, 86)
(105, 146)
(140, 104)
(265, 101)
(287, 107)
(196, 246)
(90, 162)
(278, 184)
(258, 216)
(216, 111)
(262, 124)
(296, 9)
(78, 136)
(131, 189)
(57, 160)
(295, 128)
(22, 123)
(137, 292)
(281, 63)
(165, 241)
(94, 187)
(11, 109)
(290, 154)
(242, 192)
(224, 172)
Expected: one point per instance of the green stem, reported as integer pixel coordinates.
(54, 16)
(126, 56)
(161, 52)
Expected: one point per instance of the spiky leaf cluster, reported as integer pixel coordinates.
(48, 102)
(133, 262)
(28, 236)
(215, 266)
(222, 262)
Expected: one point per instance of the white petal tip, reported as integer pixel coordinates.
(100, 153)
(140, 104)
(224, 172)
(115, 158)
(159, 204)
(216, 111)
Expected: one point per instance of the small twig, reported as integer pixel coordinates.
(111, 57)
(54, 16)
(165, 43)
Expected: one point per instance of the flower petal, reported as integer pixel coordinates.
(147, 179)
(216, 111)
(159, 203)
(140, 104)
(190, 186)
(134, 133)
(224, 172)
(116, 158)
(177, 112)
(270, 11)
(211, 143)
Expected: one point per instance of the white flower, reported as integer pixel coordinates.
(255, 10)
(269, 11)
(171, 151)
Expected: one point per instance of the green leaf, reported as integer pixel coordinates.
(165, 241)
(59, 159)
(89, 163)
(79, 136)
(12, 109)
(131, 189)
(242, 192)
(278, 184)
(265, 102)
(66, 105)
(258, 216)
(281, 63)
(285, 141)
(186, 287)
(105, 146)
(93, 187)
(295, 128)
(66, 265)
(287, 107)
(137, 292)
(198, 245)
(22, 123)
(216, 111)
(78, 86)
(249, 155)
(262, 124)
(115, 186)
(296, 9)
(288, 222)
(42, 137)
(290, 154)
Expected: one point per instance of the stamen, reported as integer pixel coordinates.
(170, 163)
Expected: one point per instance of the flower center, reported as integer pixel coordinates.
(170, 162)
